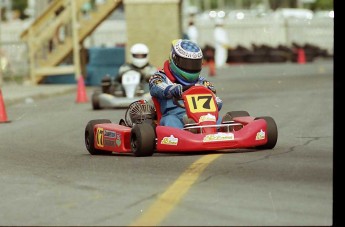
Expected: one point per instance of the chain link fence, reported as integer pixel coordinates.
(258, 31)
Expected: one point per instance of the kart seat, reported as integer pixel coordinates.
(158, 109)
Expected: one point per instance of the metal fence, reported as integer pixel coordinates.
(13, 52)
(258, 31)
(272, 31)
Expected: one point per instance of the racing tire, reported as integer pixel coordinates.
(90, 137)
(95, 100)
(122, 122)
(272, 133)
(229, 116)
(143, 140)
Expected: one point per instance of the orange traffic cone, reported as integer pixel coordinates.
(212, 68)
(301, 56)
(81, 92)
(3, 115)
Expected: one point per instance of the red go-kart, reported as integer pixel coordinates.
(140, 134)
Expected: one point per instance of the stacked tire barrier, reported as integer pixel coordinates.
(268, 54)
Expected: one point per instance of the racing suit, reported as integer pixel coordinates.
(161, 84)
(221, 46)
(146, 72)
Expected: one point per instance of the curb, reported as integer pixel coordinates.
(14, 94)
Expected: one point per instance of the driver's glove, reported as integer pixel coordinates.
(174, 91)
(210, 86)
(219, 103)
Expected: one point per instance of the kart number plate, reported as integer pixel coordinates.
(131, 77)
(199, 103)
(100, 137)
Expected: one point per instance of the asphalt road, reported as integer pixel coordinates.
(48, 177)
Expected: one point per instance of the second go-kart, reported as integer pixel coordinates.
(140, 134)
(131, 90)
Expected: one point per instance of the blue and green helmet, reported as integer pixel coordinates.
(185, 61)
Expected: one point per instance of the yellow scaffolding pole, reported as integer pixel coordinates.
(76, 46)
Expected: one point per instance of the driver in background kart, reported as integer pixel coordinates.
(182, 69)
(139, 62)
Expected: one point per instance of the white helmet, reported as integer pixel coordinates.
(139, 55)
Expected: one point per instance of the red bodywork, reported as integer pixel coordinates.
(116, 138)
(201, 106)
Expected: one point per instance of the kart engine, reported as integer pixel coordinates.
(138, 112)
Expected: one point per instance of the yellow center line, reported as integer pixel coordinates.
(168, 200)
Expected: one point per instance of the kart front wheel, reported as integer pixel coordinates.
(271, 133)
(229, 116)
(90, 137)
(143, 140)
(122, 122)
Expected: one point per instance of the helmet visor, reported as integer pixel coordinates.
(139, 55)
(187, 64)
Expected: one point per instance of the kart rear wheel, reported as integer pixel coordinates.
(229, 116)
(143, 140)
(272, 133)
(90, 137)
(95, 100)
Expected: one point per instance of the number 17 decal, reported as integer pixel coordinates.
(201, 103)
(99, 137)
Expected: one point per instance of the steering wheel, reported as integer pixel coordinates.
(176, 100)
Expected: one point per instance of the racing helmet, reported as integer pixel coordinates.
(185, 61)
(139, 55)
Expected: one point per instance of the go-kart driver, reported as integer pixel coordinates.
(140, 63)
(182, 68)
